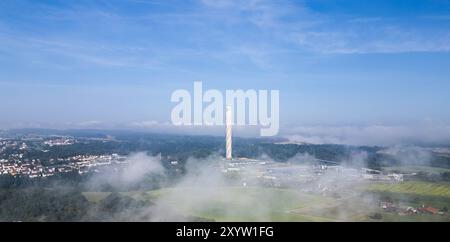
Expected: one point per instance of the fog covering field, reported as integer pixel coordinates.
(204, 193)
(270, 204)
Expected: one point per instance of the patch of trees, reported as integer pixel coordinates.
(40, 204)
(63, 204)
(71, 179)
(66, 204)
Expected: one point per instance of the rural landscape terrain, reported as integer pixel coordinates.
(74, 175)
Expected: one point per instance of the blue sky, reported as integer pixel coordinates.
(115, 63)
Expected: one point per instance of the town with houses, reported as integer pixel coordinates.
(16, 164)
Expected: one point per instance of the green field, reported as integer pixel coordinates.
(256, 204)
(414, 188)
(413, 169)
(251, 204)
(271, 204)
(415, 194)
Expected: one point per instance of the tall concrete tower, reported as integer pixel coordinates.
(229, 125)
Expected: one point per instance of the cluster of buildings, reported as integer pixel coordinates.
(15, 144)
(13, 159)
(81, 164)
(284, 174)
(391, 207)
(59, 141)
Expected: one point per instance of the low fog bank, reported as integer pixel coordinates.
(141, 171)
(205, 190)
(428, 134)
(151, 188)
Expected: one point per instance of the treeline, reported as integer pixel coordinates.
(66, 204)
(69, 179)
(40, 204)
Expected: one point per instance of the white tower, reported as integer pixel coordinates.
(229, 124)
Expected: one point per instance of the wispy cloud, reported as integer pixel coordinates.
(383, 135)
(224, 31)
(313, 32)
(76, 51)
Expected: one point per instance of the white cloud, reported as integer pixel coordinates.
(145, 124)
(256, 30)
(90, 123)
(327, 34)
(383, 135)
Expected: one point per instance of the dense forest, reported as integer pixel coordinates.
(68, 204)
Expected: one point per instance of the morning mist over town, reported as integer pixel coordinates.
(217, 111)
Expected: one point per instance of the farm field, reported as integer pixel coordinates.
(414, 188)
(272, 204)
(412, 169)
